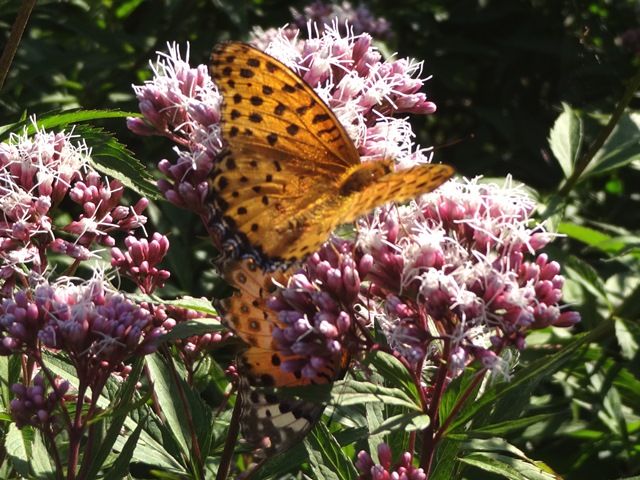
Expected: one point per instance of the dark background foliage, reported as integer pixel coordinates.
(501, 69)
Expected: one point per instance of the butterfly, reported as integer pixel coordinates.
(290, 173)
(267, 419)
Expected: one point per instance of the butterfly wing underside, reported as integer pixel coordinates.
(267, 420)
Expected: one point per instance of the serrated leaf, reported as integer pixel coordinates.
(626, 334)
(508, 467)
(588, 277)
(193, 327)
(124, 405)
(492, 465)
(375, 418)
(446, 465)
(166, 395)
(114, 159)
(148, 448)
(503, 428)
(326, 458)
(18, 444)
(565, 139)
(395, 373)
(53, 120)
(41, 461)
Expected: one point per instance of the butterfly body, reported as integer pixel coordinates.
(291, 174)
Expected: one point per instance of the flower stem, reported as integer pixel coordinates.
(75, 433)
(230, 442)
(24, 12)
(429, 439)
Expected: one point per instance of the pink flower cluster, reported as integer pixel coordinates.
(140, 261)
(460, 266)
(365, 92)
(182, 103)
(36, 174)
(98, 328)
(360, 19)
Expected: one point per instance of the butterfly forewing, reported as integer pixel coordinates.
(268, 108)
(291, 173)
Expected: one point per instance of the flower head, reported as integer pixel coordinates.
(460, 265)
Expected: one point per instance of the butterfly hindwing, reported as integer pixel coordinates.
(268, 419)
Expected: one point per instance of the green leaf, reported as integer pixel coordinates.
(351, 392)
(446, 465)
(526, 379)
(627, 334)
(621, 148)
(326, 458)
(121, 465)
(583, 234)
(127, 8)
(193, 327)
(492, 465)
(503, 428)
(565, 139)
(53, 120)
(409, 422)
(10, 370)
(41, 460)
(152, 447)
(584, 274)
(395, 373)
(113, 159)
(508, 467)
(168, 398)
(18, 444)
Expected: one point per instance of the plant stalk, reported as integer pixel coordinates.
(17, 29)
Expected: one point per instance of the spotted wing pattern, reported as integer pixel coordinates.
(267, 419)
(290, 173)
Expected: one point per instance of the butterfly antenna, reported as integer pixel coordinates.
(456, 141)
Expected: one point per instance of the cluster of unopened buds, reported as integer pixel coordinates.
(316, 309)
(140, 261)
(403, 470)
(32, 404)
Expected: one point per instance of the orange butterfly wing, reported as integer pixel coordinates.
(264, 414)
(291, 174)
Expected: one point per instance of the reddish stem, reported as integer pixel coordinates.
(429, 434)
(459, 403)
(75, 432)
